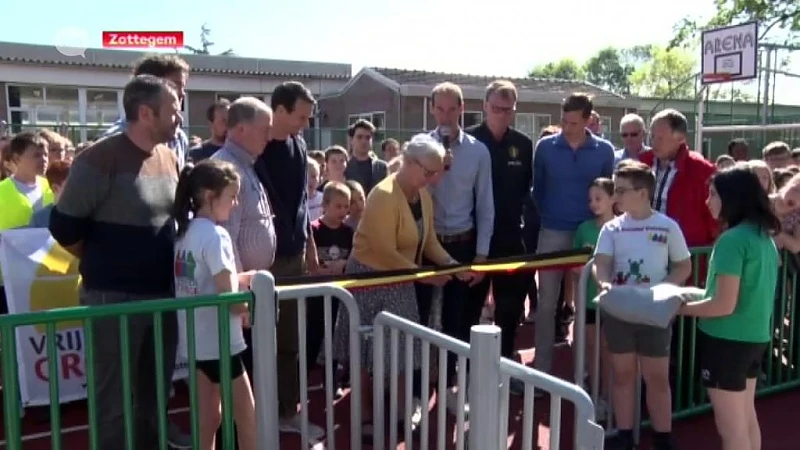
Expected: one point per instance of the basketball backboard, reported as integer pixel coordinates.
(730, 53)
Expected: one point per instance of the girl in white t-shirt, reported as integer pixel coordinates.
(205, 265)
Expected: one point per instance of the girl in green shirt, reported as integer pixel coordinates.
(736, 317)
(601, 202)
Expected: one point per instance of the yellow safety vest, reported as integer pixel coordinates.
(15, 208)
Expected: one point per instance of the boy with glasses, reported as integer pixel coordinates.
(639, 247)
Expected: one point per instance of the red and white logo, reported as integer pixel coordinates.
(142, 39)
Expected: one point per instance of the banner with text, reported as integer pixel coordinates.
(39, 275)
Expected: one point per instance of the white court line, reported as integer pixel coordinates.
(47, 434)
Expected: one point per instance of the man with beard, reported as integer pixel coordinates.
(171, 68)
(115, 215)
(217, 115)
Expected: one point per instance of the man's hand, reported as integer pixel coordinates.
(466, 276)
(436, 280)
(605, 287)
(479, 259)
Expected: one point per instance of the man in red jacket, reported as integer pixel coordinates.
(682, 178)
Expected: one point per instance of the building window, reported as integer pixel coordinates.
(102, 109)
(531, 124)
(471, 118)
(375, 118)
(43, 106)
(605, 125)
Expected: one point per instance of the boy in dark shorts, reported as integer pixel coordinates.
(639, 247)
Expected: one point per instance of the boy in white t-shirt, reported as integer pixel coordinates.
(643, 247)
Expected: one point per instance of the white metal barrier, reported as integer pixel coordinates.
(489, 378)
(268, 298)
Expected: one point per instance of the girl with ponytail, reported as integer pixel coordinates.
(205, 265)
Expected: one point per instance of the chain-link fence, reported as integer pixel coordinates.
(713, 144)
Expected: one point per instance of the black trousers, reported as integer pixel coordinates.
(530, 234)
(508, 289)
(461, 304)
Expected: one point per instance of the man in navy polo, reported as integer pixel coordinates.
(564, 166)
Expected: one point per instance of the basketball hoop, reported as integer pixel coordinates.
(720, 77)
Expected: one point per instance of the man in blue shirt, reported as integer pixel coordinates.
(564, 166)
(463, 218)
(176, 70)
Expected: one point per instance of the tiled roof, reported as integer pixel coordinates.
(420, 77)
(219, 65)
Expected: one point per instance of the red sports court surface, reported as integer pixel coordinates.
(778, 426)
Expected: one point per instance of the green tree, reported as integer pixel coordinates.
(206, 44)
(728, 91)
(781, 16)
(609, 69)
(668, 73)
(565, 69)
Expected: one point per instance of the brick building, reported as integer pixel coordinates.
(395, 99)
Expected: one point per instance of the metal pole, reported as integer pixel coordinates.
(698, 132)
(265, 361)
(765, 105)
(484, 386)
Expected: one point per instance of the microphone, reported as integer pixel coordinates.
(444, 136)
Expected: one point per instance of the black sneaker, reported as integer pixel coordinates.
(617, 442)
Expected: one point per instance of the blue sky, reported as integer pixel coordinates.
(497, 37)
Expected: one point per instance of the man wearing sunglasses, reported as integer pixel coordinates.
(632, 131)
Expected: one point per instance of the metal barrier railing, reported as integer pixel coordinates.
(263, 301)
(781, 368)
(266, 385)
(88, 316)
(489, 379)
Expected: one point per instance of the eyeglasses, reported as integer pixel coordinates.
(502, 109)
(427, 172)
(627, 135)
(621, 190)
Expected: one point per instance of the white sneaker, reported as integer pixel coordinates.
(292, 425)
(452, 402)
(416, 413)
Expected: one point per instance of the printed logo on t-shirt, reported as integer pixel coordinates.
(660, 238)
(633, 275)
(185, 266)
(333, 253)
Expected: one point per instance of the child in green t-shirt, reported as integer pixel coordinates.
(601, 202)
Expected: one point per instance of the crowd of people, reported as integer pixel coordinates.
(152, 213)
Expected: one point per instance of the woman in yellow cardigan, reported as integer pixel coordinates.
(395, 232)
